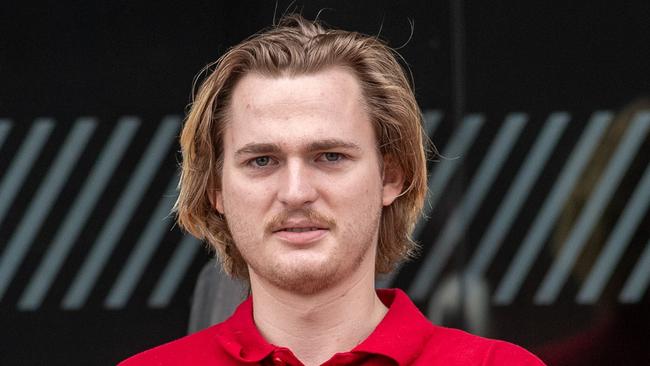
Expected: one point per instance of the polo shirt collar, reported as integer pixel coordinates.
(241, 338)
(400, 335)
(403, 331)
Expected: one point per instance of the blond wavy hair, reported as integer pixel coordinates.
(296, 46)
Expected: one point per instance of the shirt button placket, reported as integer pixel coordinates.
(277, 361)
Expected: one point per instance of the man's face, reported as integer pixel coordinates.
(302, 185)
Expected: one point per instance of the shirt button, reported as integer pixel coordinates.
(277, 361)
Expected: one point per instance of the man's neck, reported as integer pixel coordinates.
(315, 327)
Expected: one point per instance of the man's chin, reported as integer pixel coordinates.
(303, 281)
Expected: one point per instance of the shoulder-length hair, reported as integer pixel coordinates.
(297, 46)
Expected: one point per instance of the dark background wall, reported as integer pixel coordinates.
(108, 60)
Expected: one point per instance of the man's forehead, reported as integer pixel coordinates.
(256, 91)
(334, 90)
(307, 112)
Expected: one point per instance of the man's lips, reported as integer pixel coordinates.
(301, 234)
(300, 229)
(299, 225)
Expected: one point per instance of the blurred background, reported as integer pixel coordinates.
(538, 228)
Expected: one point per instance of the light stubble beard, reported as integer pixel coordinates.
(309, 280)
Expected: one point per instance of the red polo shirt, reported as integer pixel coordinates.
(403, 337)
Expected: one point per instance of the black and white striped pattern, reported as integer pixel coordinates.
(123, 227)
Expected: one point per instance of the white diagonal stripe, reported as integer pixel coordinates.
(438, 179)
(431, 122)
(174, 272)
(638, 281)
(22, 162)
(5, 127)
(617, 242)
(151, 237)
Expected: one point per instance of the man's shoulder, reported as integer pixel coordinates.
(456, 347)
(191, 349)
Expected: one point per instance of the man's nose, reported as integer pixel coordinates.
(296, 186)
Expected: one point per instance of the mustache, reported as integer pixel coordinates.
(309, 214)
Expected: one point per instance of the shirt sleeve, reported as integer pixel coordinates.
(507, 354)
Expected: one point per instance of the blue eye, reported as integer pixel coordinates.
(332, 156)
(262, 161)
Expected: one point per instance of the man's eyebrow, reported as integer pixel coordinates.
(255, 148)
(329, 144)
(258, 148)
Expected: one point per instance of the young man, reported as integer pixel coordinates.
(304, 167)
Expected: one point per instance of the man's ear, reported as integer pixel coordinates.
(393, 180)
(216, 199)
